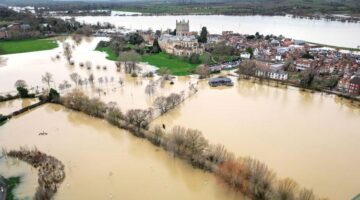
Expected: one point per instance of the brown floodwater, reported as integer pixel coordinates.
(104, 162)
(310, 137)
(7, 107)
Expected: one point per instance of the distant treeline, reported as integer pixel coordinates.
(227, 7)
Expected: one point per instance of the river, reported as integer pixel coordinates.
(319, 31)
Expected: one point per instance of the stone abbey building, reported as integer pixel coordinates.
(184, 43)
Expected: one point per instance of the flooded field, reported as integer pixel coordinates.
(312, 138)
(7, 107)
(131, 94)
(103, 162)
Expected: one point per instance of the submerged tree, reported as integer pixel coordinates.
(75, 77)
(47, 79)
(67, 51)
(139, 118)
(130, 59)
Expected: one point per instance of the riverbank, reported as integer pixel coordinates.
(28, 45)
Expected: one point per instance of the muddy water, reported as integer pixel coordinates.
(311, 138)
(103, 162)
(7, 107)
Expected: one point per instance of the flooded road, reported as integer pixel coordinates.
(312, 138)
(103, 162)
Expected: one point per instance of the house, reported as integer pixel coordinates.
(218, 81)
(303, 64)
(272, 71)
(354, 85)
(245, 55)
(343, 84)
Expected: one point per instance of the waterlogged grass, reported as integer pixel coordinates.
(11, 184)
(23, 46)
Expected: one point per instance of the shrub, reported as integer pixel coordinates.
(286, 189)
(114, 115)
(23, 92)
(54, 96)
(187, 143)
(75, 100)
(235, 173)
(156, 136)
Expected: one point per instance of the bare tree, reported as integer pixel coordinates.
(202, 71)
(20, 83)
(91, 79)
(286, 189)
(114, 115)
(130, 59)
(306, 194)
(161, 104)
(139, 118)
(75, 77)
(150, 88)
(67, 51)
(47, 79)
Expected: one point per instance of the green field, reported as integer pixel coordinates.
(110, 53)
(177, 66)
(11, 184)
(22, 46)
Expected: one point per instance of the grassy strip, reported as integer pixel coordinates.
(11, 184)
(30, 45)
(176, 65)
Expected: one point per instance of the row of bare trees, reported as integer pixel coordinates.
(164, 104)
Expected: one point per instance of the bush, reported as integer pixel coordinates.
(54, 96)
(23, 92)
(114, 116)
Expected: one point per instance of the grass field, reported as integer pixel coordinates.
(22, 46)
(177, 66)
(11, 184)
(110, 53)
